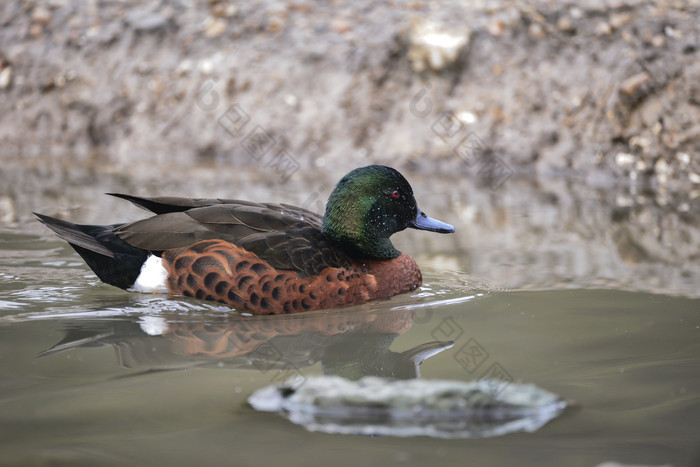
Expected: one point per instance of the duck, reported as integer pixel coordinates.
(263, 258)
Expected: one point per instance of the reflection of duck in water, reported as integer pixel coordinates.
(347, 344)
(265, 258)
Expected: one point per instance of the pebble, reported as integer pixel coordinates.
(634, 82)
(467, 117)
(536, 30)
(673, 33)
(59, 81)
(291, 100)
(661, 168)
(5, 77)
(603, 29)
(618, 20)
(146, 21)
(683, 158)
(275, 24)
(564, 24)
(35, 30)
(435, 46)
(624, 201)
(206, 67)
(227, 10)
(41, 15)
(640, 141)
(658, 41)
(184, 67)
(214, 27)
(495, 27)
(340, 25)
(624, 159)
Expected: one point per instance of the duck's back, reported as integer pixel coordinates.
(287, 237)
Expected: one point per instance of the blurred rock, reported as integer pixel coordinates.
(603, 28)
(340, 25)
(431, 408)
(41, 15)
(537, 31)
(145, 21)
(435, 46)
(495, 27)
(214, 27)
(623, 159)
(631, 85)
(35, 30)
(617, 20)
(5, 77)
(565, 24)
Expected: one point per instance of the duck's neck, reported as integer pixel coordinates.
(357, 237)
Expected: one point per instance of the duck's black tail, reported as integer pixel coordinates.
(112, 259)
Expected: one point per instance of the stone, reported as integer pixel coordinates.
(340, 25)
(417, 407)
(624, 159)
(632, 84)
(214, 27)
(146, 21)
(41, 15)
(434, 45)
(564, 24)
(5, 77)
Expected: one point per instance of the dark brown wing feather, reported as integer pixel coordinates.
(285, 236)
(165, 204)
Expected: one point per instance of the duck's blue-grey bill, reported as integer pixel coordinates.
(423, 222)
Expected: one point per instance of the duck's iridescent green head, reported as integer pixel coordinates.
(369, 205)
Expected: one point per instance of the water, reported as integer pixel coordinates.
(628, 361)
(590, 293)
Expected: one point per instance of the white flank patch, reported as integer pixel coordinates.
(152, 277)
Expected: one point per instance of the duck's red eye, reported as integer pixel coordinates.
(395, 194)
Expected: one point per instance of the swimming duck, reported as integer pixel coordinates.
(263, 258)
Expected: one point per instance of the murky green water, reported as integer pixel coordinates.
(629, 361)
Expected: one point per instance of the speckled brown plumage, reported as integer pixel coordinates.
(220, 271)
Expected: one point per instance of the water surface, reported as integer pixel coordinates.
(92, 375)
